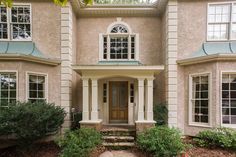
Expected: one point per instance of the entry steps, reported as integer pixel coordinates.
(118, 137)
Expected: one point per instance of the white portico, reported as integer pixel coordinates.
(117, 94)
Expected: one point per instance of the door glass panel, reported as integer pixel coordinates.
(114, 95)
(123, 95)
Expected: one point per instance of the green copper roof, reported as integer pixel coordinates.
(119, 63)
(210, 48)
(20, 48)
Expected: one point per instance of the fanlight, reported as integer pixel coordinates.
(119, 29)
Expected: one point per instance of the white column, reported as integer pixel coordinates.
(94, 113)
(149, 99)
(85, 99)
(140, 99)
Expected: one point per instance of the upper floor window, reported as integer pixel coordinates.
(119, 43)
(15, 23)
(222, 21)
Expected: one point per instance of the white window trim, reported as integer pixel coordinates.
(10, 38)
(221, 116)
(129, 35)
(199, 124)
(27, 83)
(230, 23)
(101, 36)
(17, 80)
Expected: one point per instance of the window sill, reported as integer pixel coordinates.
(119, 62)
(229, 125)
(200, 125)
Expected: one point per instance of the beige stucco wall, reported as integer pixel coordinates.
(192, 32)
(46, 36)
(149, 30)
(23, 67)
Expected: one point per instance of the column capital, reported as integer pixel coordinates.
(150, 78)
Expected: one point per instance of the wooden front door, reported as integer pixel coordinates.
(118, 102)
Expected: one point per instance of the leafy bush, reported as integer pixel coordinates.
(160, 114)
(79, 142)
(161, 141)
(31, 121)
(218, 137)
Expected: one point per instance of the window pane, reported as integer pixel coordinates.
(234, 30)
(225, 119)
(233, 119)
(119, 48)
(225, 103)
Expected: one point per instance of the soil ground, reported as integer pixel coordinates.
(51, 150)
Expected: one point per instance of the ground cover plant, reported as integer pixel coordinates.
(218, 137)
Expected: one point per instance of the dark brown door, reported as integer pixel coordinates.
(118, 102)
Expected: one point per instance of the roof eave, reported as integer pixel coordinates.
(20, 57)
(208, 58)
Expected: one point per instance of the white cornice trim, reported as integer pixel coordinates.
(154, 9)
(20, 57)
(209, 58)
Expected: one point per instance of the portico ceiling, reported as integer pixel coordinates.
(110, 8)
(134, 71)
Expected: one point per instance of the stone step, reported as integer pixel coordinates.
(118, 138)
(118, 133)
(119, 144)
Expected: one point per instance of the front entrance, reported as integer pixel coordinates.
(118, 102)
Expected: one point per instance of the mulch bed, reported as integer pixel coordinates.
(50, 149)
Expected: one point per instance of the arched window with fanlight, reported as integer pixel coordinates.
(119, 43)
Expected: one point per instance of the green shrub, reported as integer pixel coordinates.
(218, 137)
(160, 114)
(79, 143)
(31, 121)
(161, 141)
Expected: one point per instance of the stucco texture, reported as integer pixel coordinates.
(22, 68)
(149, 30)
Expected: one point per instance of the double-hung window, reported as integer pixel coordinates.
(15, 23)
(7, 89)
(119, 44)
(228, 99)
(199, 99)
(37, 90)
(221, 21)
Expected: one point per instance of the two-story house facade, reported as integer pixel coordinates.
(114, 60)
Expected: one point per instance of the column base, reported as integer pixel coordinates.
(91, 124)
(143, 125)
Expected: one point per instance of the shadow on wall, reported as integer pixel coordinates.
(160, 113)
